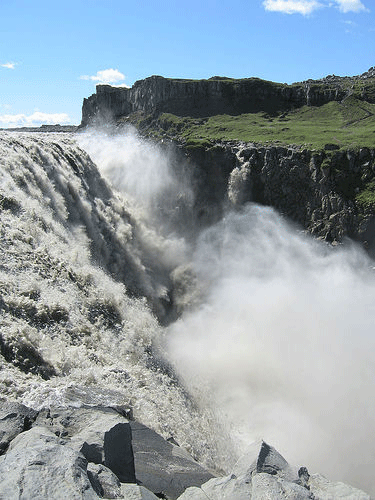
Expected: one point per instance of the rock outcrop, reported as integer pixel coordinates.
(219, 95)
(204, 97)
(96, 452)
(326, 192)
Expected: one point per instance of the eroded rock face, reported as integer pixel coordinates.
(316, 189)
(203, 97)
(319, 190)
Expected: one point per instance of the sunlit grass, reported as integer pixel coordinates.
(350, 123)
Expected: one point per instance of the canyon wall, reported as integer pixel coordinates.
(216, 95)
(325, 192)
(329, 192)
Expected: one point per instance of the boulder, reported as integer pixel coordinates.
(267, 487)
(14, 419)
(162, 466)
(101, 434)
(261, 457)
(323, 489)
(104, 481)
(135, 492)
(263, 474)
(39, 465)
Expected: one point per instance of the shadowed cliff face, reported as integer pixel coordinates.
(327, 193)
(200, 98)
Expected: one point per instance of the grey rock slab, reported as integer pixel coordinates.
(14, 419)
(193, 493)
(135, 492)
(323, 489)
(104, 481)
(163, 467)
(102, 434)
(40, 466)
(261, 457)
(269, 487)
(223, 488)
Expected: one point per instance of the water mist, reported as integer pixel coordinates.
(278, 344)
(275, 340)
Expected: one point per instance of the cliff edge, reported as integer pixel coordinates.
(307, 149)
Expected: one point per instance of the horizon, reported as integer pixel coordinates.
(51, 66)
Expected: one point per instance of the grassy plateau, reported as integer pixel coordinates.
(347, 124)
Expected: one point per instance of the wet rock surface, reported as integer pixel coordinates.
(323, 191)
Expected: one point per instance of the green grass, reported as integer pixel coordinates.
(366, 198)
(347, 124)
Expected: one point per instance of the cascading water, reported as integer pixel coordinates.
(275, 340)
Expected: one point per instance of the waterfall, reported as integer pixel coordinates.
(272, 332)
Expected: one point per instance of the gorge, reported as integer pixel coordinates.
(162, 295)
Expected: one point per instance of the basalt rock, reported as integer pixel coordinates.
(262, 473)
(200, 98)
(87, 453)
(322, 191)
(82, 454)
(163, 467)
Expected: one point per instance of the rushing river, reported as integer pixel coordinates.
(243, 330)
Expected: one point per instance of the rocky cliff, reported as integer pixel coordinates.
(328, 191)
(204, 97)
(220, 95)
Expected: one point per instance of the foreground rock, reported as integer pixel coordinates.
(263, 474)
(96, 452)
(163, 467)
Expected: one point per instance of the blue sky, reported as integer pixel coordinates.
(52, 54)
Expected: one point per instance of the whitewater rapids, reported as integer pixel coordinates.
(276, 337)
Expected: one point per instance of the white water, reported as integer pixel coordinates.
(277, 342)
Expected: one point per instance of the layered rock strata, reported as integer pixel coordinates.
(322, 191)
(214, 96)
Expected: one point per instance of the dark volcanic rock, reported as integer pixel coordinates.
(319, 190)
(163, 467)
(203, 97)
(86, 454)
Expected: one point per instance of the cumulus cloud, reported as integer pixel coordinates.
(350, 6)
(36, 119)
(9, 65)
(304, 7)
(105, 76)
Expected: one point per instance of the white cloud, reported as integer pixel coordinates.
(9, 65)
(34, 120)
(350, 6)
(105, 76)
(304, 7)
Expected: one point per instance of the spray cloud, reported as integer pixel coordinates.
(281, 346)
